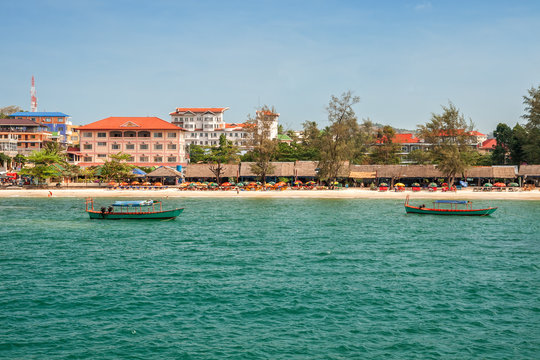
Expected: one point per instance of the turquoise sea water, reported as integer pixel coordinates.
(269, 279)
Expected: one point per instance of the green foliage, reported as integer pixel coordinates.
(8, 110)
(337, 140)
(4, 159)
(263, 148)
(420, 157)
(43, 162)
(519, 139)
(385, 151)
(197, 154)
(452, 143)
(503, 136)
(531, 147)
(116, 168)
(217, 156)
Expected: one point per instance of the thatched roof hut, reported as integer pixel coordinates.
(491, 172)
(284, 169)
(529, 170)
(203, 171)
(245, 169)
(165, 171)
(306, 168)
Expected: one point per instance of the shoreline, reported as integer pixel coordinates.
(353, 193)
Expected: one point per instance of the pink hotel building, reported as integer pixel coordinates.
(150, 141)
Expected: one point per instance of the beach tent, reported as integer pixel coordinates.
(139, 172)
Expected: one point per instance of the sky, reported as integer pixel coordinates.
(405, 59)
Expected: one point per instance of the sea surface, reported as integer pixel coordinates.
(269, 279)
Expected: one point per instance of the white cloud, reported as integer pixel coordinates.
(424, 5)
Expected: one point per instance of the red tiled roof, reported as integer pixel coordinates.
(229, 126)
(489, 144)
(267, 113)
(198, 110)
(476, 133)
(401, 139)
(130, 123)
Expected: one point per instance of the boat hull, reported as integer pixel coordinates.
(158, 215)
(466, 212)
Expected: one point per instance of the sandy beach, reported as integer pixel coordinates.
(316, 194)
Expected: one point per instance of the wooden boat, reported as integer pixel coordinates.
(456, 207)
(133, 210)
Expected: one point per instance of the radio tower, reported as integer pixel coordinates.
(33, 98)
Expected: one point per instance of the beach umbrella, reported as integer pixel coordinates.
(124, 184)
(432, 185)
(444, 184)
(383, 184)
(416, 184)
(226, 184)
(259, 183)
(206, 183)
(499, 184)
(272, 183)
(240, 184)
(488, 185)
(298, 182)
(268, 185)
(192, 185)
(135, 183)
(112, 183)
(281, 184)
(400, 185)
(146, 183)
(513, 184)
(252, 184)
(203, 185)
(158, 184)
(311, 183)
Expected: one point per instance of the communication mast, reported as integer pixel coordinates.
(33, 98)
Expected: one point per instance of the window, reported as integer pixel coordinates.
(101, 134)
(130, 147)
(158, 159)
(158, 134)
(143, 147)
(33, 136)
(144, 158)
(87, 146)
(171, 146)
(158, 146)
(47, 120)
(115, 134)
(87, 159)
(101, 144)
(115, 146)
(171, 159)
(102, 155)
(60, 120)
(171, 135)
(87, 134)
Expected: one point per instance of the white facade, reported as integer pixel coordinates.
(204, 126)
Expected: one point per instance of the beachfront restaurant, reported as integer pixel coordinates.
(203, 172)
(529, 174)
(165, 175)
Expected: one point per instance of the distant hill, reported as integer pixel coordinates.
(397, 130)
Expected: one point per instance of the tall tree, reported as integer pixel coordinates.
(218, 156)
(532, 115)
(8, 110)
(337, 139)
(451, 140)
(259, 130)
(517, 143)
(385, 151)
(197, 154)
(364, 139)
(116, 168)
(43, 162)
(5, 160)
(503, 136)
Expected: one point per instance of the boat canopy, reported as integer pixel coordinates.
(134, 203)
(450, 201)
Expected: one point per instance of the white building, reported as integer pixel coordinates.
(204, 126)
